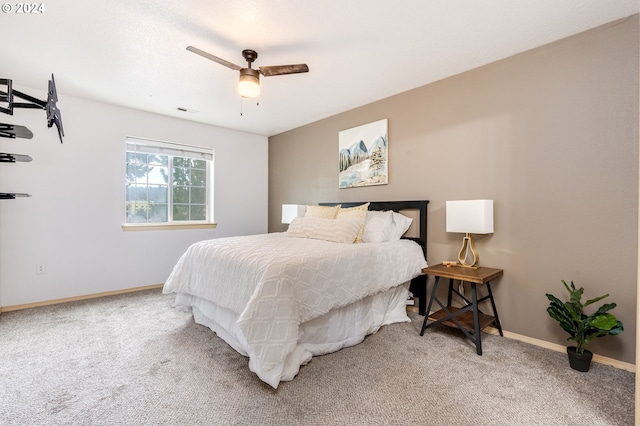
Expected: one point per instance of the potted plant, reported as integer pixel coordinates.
(582, 328)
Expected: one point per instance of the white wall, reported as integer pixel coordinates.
(72, 222)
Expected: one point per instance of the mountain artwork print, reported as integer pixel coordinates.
(363, 154)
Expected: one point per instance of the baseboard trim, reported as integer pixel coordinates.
(560, 348)
(78, 298)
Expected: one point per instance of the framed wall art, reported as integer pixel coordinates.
(363, 155)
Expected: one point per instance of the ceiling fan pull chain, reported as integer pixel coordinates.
(240, 106)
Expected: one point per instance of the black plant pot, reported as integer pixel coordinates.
(580, 362)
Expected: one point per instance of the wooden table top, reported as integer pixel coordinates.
(481, 275)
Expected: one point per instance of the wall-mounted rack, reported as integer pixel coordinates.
(13, 131)
(12, 195)
(12, 158)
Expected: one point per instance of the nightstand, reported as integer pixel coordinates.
(468, 318)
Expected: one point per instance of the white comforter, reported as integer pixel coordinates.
(275, 282)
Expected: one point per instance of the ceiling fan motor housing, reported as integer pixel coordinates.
(249, 55)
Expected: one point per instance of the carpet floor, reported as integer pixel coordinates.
(135, 360)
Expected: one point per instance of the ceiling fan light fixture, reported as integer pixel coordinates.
(249, 84)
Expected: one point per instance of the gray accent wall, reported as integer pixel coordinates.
(551, 135)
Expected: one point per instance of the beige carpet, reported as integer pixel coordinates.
(135, 360)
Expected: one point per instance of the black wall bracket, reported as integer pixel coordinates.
(8, 96)
(12, 195)
(12, 158)
(14, 131)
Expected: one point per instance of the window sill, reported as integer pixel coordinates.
(167, 227)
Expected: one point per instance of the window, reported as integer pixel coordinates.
(168, 183)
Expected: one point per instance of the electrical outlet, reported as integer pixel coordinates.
(40, 269)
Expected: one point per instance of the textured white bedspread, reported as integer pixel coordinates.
(275, 282)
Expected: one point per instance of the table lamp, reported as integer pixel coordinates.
(469, 217)
(291, 211)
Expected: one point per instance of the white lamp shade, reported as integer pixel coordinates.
(291, 211)
(470, 216)
(249, 84)
(248, 89)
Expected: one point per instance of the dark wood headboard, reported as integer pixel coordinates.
(420, 205)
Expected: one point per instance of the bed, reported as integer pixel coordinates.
(282, 298)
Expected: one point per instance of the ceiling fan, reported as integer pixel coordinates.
(249, 84)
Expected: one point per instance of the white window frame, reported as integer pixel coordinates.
(172, 149)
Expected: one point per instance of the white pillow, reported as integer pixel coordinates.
(378, 226)
(400, 224)
(319, 228)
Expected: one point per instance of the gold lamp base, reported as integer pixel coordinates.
(468, 250)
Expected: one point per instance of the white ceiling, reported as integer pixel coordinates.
(132, 53)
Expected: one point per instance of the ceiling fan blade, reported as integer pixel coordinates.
(213, 58)
(283, 69)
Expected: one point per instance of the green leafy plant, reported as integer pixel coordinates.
(583, 328)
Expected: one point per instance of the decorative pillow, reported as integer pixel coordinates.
(319, 228)
(327, 212)
(400, 223)
(358, 213)
(378, 227)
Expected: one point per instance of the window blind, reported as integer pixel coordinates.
(150, 146)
